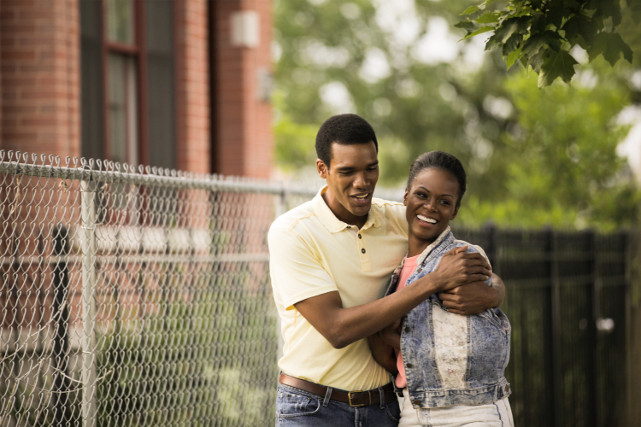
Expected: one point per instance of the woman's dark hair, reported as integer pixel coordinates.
(439, 160)
(345, 129)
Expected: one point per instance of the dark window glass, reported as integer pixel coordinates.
(128, 81)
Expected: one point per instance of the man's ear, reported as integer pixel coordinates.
(322, 168)
(405, 197)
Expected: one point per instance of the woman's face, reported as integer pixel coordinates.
(431, 203)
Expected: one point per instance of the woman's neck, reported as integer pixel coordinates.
(416, 246)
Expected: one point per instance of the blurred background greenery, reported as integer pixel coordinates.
(535, 156)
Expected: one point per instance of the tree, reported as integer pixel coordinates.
(380, 61)
(541, 34)
(561, 166)
(517, 142)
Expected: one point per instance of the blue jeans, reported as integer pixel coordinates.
(295, 407)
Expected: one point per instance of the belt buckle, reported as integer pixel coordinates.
(349, 398)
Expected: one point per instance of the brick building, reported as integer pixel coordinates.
(182, 84)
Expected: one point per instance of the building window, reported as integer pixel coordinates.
(127, 60)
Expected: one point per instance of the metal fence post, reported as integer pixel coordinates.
(555, 300)
(61, 338)
(593, 338)
(489, 229)
(88, 248)
(631, 252)
(281, 202)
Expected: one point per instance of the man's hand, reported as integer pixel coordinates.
(391, 335)
(473, 298)
(383, 343)
(459, 267)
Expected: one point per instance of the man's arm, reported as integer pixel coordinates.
(342, 326)
(474, 297)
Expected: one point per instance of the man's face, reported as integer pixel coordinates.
(351, 179)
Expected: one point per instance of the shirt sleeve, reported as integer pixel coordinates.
(296, 268)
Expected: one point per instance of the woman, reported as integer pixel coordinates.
(450, 367)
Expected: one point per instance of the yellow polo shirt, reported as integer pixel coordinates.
(311, 253)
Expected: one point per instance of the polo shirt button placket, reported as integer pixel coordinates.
(364, 256)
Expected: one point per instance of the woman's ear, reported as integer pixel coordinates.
(455, 212)
(405, 197)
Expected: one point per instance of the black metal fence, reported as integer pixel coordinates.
(569, 301)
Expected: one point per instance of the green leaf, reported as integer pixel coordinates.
(536, 42)
(512, 57)
(536, 61)
(555, 13)
(586, 27)
(468, 26)
(611, 9)
(479, 31)
(611, 46)
(488, 18)
(470, 10)
(571, 28)
(505, 30)
(559, 64)
(512, 43)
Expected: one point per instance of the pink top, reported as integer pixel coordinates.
(409, 265)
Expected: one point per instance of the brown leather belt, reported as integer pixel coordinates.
(354, 398)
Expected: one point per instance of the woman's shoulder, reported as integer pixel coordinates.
(471, 247)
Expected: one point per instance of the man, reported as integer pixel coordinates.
(330, 262)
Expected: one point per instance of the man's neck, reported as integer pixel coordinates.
(353, 220)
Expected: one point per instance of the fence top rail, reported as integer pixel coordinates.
(92, 170)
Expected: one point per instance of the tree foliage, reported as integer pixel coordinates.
(541, 34)
(533, 156)
(416, 100)
(561, 163)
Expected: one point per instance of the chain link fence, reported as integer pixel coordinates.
(135, 296)
(141, 296)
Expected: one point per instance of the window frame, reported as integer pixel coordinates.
(136, 51)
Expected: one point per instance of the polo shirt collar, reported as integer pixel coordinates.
(333, 224)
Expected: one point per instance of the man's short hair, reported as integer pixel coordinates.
(345, 129)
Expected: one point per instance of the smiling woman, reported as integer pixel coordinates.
(432, 201)
(433, 348)
(435, 187)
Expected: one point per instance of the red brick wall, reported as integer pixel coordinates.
(242, 128)
(192, 72)
(39, 76)
(40, 84)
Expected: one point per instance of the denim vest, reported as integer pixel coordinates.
(482, 354)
